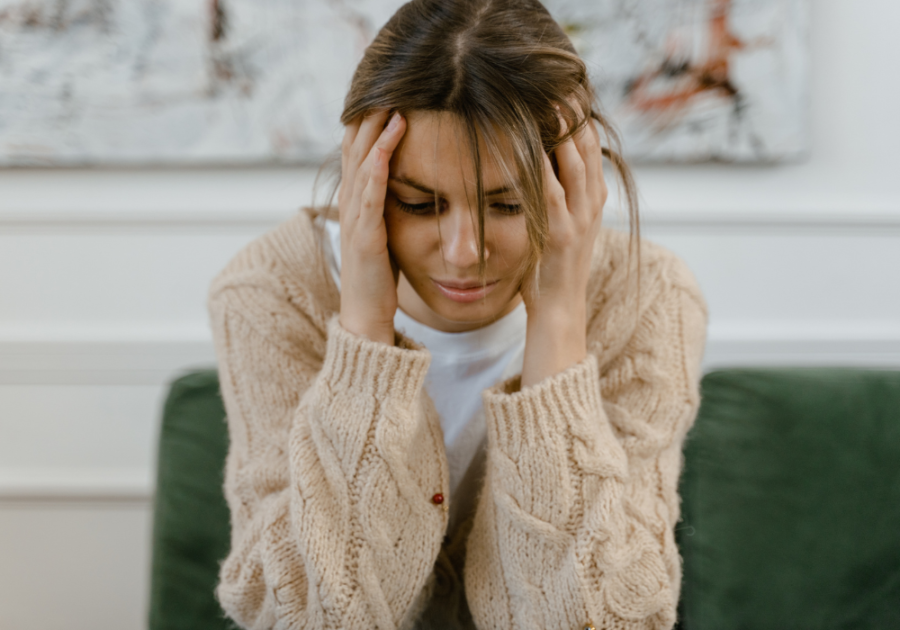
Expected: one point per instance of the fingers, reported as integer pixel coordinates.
(370, 128)
(581, 174)
(346, 189)
(358, 138)
(572, 175)
(557, 209)
(350, 132)
(577, 174)
(587, 142)
(373, 174)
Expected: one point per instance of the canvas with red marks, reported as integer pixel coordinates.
(257, 81)
(695, 80)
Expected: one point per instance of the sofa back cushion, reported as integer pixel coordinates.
(191, 528)
(791, 501)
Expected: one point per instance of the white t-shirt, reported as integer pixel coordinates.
(462, 366)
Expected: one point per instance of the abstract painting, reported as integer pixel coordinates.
(143, 82)
(177, 81)
(697, 80)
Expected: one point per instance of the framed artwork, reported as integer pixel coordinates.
(180, 82)
(698, 80)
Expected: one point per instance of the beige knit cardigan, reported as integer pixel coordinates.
(336, 454)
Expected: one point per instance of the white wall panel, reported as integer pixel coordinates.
(78, 427)
(799, 279)
(74, 566)
(142, 276)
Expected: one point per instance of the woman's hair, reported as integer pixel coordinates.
(503, 66)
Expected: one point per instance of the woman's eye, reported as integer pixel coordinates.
(416, 208)
(508, 208)
(428, 207)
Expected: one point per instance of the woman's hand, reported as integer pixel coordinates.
(556, 299)
(368, 274)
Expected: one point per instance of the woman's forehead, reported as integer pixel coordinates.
(434, 153)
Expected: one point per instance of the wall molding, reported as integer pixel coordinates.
(795, 220)
(101, 362)
(191, 219)
(810, 351)
(155, 357)
(54, 485)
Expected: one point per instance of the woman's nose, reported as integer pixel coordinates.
(460, 239)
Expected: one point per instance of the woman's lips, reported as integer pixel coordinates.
(459, 294)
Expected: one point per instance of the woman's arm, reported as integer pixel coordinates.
(576, 522)
(332, 464)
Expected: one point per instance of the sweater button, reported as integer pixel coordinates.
(437, 499)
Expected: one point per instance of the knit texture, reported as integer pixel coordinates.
(336, 453)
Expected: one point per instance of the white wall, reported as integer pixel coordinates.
(103, 276)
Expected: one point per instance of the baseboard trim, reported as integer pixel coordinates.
(150, 358)
(126, 486)
(142, 358)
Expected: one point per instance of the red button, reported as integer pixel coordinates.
(438, 498)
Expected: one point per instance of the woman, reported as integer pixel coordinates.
(462, 403)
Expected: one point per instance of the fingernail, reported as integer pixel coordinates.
(395, 120)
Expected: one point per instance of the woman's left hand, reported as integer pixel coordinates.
(556, 297)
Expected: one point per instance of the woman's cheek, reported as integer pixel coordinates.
(511, 239)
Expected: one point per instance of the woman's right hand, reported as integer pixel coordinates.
(368, 274)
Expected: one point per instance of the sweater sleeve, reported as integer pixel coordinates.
(332, 464)
(575, 526)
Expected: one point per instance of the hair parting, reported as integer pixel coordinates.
(505, 68)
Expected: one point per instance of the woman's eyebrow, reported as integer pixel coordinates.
(409, 181)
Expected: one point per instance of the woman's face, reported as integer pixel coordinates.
(439, 283)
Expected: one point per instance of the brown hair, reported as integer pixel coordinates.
(502, 66)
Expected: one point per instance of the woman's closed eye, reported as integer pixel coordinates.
(428, 207)
(507, 208)
(416, 208)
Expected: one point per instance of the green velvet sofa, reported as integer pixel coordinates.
(790, 503)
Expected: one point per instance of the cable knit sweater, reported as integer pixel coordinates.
(336, 454)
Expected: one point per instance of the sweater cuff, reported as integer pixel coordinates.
(355, 363)
(567, 404)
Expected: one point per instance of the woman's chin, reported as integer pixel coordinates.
(471, 315)
(426, 303)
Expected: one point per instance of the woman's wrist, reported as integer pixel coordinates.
(382, 334)
(555, 340)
